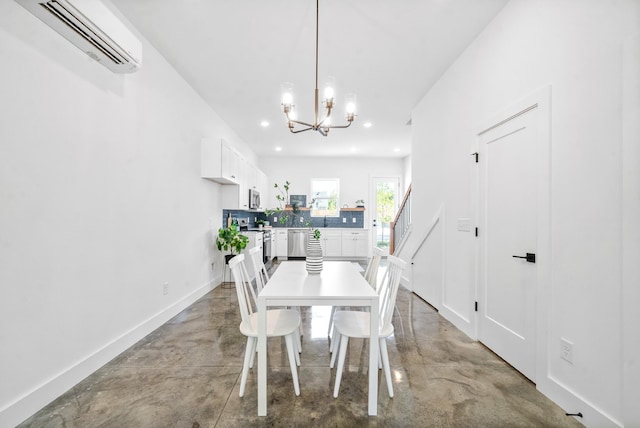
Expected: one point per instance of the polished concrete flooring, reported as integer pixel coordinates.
(187, 374)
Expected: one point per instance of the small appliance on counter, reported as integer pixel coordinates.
(243, 223)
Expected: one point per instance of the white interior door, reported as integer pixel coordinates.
(508, 232)
(384, 206)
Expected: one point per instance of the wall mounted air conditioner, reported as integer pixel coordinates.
(93, 28)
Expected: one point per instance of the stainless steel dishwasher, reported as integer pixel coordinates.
(297, 243)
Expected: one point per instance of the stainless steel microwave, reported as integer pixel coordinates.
(254, 199)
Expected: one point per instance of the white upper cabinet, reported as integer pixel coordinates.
(219, 162)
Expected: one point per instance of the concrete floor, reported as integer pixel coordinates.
(187, 374)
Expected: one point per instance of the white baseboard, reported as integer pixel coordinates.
(573, 403)
(25, 406)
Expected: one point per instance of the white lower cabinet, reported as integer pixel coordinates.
(331, 242)
(336, 243)
(282, 242)
(355, 243)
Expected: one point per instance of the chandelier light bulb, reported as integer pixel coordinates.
(287, 98)
(286, 95)
(329, 89)
(328, 93)
(350, 106)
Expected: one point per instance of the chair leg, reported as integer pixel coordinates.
(296, 347)
(344, 343)
(334, 355)
(299, 340)
(334, 337)
(385, 363)
(248, 356)
(254, 351)
(291, 351)
(329, 331)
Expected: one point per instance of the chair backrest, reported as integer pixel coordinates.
(388, 289)
(259, 270)
(371, 274)
(244, 289)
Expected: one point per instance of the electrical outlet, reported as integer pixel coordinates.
(344, 219)
(301, 220)
(275, 219)
(566, 350)
(165, 288)
(464, 224)
(353, 219)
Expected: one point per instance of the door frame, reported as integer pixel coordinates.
(372, 197)
(540, 100)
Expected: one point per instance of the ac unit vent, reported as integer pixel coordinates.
(93, 28)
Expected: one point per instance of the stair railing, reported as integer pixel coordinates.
(400, 225)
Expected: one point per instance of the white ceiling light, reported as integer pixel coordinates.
(264, 123)
(278, 149)
(321, 125)
(367, 124)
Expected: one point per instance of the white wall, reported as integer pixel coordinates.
(101, 204)
(354, 175)
(406, 166)
(587, 50)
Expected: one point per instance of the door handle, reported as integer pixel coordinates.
(530, 257)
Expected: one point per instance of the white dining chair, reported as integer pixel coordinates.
(262, 277)
(280, 323)
(356, 323)
(259, 269)
(371, 275)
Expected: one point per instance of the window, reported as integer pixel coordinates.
(324, 197)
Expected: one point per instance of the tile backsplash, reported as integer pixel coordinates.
(347, 219)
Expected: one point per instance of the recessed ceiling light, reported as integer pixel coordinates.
(367, 124)
(396, 150)
(264, 123)
(278, 149)
(353, 149)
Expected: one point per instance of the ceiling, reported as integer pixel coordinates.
(236, 53)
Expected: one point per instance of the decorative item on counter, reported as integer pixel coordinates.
(314, 253)
(360, 203)
(260, 223)
(298, 201)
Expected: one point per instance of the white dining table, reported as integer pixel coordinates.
(339, 284)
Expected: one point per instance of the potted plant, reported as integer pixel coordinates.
(230, 239)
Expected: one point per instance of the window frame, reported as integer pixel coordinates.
(325, 213)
